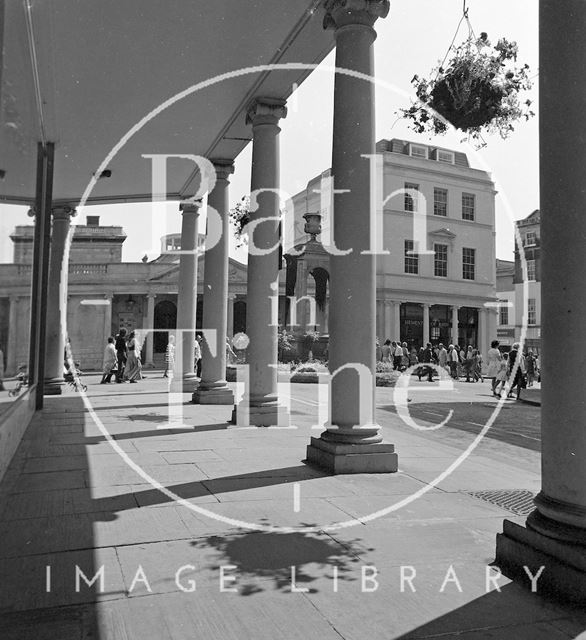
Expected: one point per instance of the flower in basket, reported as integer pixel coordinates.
(478, 91)
(240, 217)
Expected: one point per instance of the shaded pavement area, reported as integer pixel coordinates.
(259, 544)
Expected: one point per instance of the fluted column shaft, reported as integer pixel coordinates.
(213, 388)
(57, 299)
(187, 298)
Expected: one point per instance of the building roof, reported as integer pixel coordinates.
(396, 145)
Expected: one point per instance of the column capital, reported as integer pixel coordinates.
(190, 206)
(223, 168)
(14, 299)
(151, 295)
(63, 212)
(266, 111)
(343, 13)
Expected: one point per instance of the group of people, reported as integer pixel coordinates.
(454, 360)
(122, 358)
(500, 368)
(468, 363)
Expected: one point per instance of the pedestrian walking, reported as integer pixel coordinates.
(133, 365)
(110, 361)
(197, 355)
(530, 368)
(121, 354)
(519, 381)
(442, 357)
(426, 356)
(501, 376)
(397, 355)
(493, 366)
(386, 355)
(453, 361)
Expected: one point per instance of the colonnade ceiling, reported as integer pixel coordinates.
(82, 74)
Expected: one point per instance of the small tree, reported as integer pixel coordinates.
(285, 343)
(239, 218)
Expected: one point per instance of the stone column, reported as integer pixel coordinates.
(425, 323)
(388, 319)
(230, 319)
(352, 442)
(396, 320)
(482, 341)
(57, 299)
(12, 345)
(555, 533)
(150, 336)
(108, 297)
(185, 379)
(263, 270)
(455, 324)
(212, 387)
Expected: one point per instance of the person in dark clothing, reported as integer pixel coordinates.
(121, 354)
(426, 355)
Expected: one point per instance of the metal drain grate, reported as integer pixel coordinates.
(518, 501)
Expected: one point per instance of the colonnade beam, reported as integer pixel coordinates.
(555, 533)
(352, 442)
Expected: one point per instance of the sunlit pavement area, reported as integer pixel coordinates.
(321, 563)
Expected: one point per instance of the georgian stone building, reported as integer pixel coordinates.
(436, 278)
(141, 295)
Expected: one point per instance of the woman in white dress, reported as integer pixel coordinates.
(493, 365)
(133, 364)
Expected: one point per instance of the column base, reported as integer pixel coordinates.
(53, 386)
(213, 393)
(273, 415)
(187, 384)
(353, 458)
(564, 573)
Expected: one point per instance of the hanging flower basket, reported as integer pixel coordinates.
(478, 91)
(240, 217)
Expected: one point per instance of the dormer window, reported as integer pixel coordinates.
(445, 156)
(418, 151)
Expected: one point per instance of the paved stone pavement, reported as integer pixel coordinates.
(250, 542)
